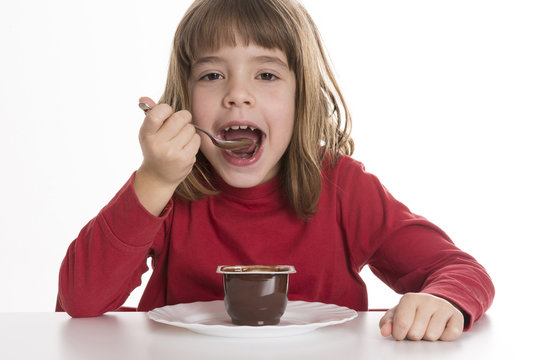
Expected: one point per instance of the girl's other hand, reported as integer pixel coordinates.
(169, 145)
(423, 316)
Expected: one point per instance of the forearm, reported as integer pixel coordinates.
(152, 193)
(96, 274)
(104, 264)
(442, 270)
(466, 284)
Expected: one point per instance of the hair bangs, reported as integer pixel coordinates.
(210, 25)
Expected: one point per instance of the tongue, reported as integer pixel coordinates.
(245, 134)
(237, 134)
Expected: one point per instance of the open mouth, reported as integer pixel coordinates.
(245, 132)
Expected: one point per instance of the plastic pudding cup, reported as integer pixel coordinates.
(255, 295)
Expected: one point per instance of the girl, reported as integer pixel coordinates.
(257, 69)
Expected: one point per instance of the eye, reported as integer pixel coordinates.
(212, 76)
(267, 77)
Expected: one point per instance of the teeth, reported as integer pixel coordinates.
(237, 127)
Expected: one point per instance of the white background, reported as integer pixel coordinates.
(444, 97)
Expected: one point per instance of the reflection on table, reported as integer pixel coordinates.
(135, 336)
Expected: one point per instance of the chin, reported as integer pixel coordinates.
(243, 180)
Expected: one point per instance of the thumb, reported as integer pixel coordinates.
(150, 125)
(147, 101)
(386, 322)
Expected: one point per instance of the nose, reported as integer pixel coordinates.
(238, 94)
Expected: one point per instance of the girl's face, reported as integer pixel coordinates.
(244, 91)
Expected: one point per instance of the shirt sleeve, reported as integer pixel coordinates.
(107, 259)
(409, 253)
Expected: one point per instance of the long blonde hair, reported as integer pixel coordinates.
(322, 125)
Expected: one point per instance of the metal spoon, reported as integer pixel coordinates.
(233, 145)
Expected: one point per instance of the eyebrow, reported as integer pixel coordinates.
(271, 59)
(206, 60)
(261, 59)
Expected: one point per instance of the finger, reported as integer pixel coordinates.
(403, 318)
(386, 322)
(155, 119)
(176, 125)
(436, 326)
(454, 327)
(386, 329)
(189, 154)
(420, 323)
(184, 142)
(192, 146)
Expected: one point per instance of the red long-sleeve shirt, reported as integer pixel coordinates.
(358, 223)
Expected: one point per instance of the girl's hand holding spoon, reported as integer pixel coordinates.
(169, 145)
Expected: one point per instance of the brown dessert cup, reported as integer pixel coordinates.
(255, 295)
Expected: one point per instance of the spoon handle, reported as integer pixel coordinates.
(145, 107)
(213, 140)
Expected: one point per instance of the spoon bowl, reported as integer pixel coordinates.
(240, 144)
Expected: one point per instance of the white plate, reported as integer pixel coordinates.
(210, 318)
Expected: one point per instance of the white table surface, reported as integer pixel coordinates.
(135, 336)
